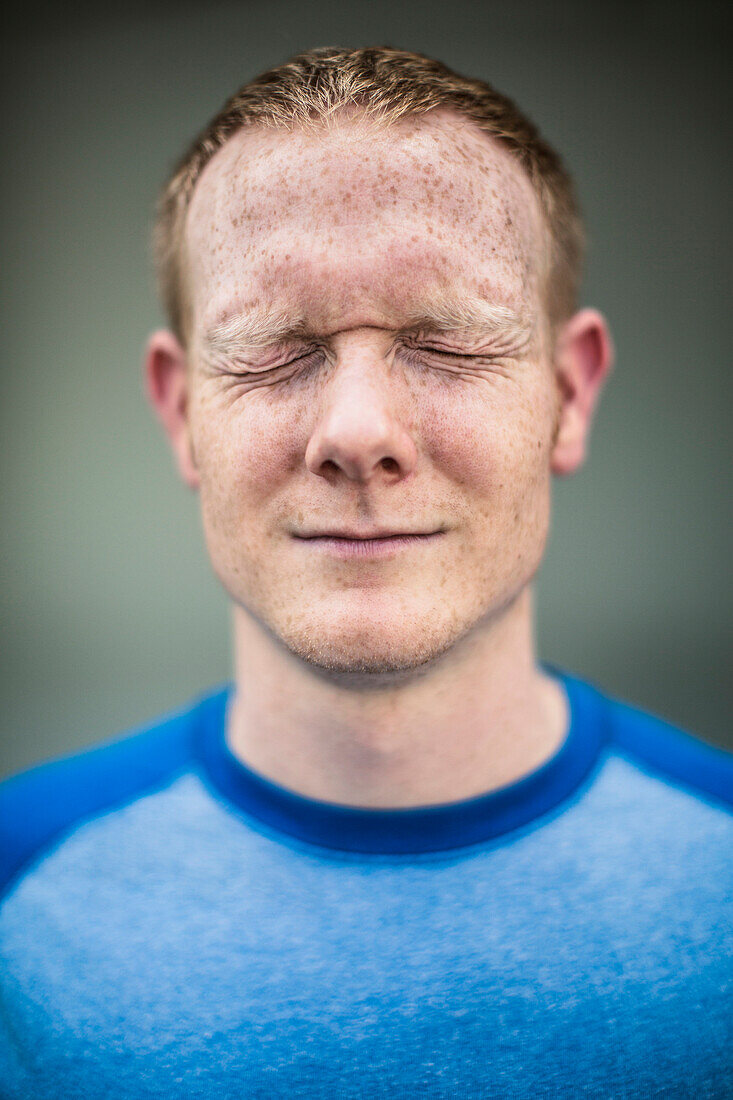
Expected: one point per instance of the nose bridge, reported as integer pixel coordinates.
(359, 428)
(361, 389)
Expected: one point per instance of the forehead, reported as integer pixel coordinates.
(359, 214)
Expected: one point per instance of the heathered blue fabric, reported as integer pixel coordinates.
(171, 928)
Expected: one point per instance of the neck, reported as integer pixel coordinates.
(483, 715)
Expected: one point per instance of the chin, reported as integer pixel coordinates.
(367, 652)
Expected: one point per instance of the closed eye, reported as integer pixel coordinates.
(275, 372)
(419, 352)
(304, 357)
(442, 351)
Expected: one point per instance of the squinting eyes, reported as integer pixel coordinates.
(423, 355)
(408, 350)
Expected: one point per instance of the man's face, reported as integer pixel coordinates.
(368, 353)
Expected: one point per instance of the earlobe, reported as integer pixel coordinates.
(167, 382)
(583, 357)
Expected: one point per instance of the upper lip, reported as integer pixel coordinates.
(343, 533)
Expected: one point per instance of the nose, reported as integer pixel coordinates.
(359, 432)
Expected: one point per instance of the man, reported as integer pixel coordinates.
(397, 856)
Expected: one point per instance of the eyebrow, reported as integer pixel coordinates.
(474, 317)
(256, 329)
(271, 327)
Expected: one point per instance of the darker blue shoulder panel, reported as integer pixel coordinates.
(39, 805)
(672, 753)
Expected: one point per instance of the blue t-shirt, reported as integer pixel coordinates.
(174, 925)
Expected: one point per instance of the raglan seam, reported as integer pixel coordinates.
(178, 759)
(657, 772)
(630, 747)
(50, 845)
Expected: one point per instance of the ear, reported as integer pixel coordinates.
(167, 381)
(583, 357)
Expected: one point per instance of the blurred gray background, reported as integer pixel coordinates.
(110, 612)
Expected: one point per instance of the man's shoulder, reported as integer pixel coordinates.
(665, 750)
(39, 805)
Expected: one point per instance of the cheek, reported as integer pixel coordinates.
(493, 439)
(239, 463)
(245, 451)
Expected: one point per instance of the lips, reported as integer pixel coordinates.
(344, 545)
(379, 533)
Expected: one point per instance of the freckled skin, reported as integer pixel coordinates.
(349, 230)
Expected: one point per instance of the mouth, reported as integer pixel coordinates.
(347, 545)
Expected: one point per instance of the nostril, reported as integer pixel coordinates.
(389, 464)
